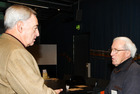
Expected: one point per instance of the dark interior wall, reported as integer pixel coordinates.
(104, 20)
(60, 30)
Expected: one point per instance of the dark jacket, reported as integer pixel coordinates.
(125, 78)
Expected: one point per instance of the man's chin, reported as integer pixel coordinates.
(114, 63)
(31, 44)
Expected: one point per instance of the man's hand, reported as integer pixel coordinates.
(58, 91)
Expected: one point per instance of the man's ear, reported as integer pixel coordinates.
(19, 26)
(128, 53)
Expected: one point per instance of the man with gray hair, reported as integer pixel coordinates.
(125, 77)
(19, 72)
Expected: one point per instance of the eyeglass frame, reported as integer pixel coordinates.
(116, 50)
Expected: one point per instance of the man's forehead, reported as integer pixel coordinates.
(118, 43)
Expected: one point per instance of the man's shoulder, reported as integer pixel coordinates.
(138, 62)
(135, 67)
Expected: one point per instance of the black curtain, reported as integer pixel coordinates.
(107, 19)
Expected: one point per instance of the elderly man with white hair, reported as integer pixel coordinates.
(125, 78)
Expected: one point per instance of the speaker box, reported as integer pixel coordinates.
(79, 15)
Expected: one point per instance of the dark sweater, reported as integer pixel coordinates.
(125, 78)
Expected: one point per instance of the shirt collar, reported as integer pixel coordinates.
(16, 39)
(124, 66)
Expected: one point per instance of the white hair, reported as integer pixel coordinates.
(17, 13)
(129, 45)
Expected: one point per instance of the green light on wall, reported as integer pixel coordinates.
(3, 4)
(78, 27)
(1, 16)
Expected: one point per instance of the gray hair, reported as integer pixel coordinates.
(129, 45)
(17, 13)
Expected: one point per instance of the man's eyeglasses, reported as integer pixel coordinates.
(117, 50)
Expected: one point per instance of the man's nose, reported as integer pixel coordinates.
(37, 33)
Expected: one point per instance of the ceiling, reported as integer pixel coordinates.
(46, 9)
